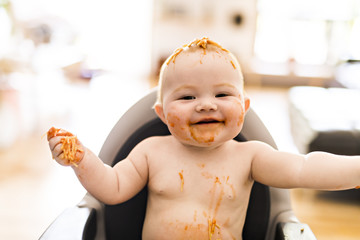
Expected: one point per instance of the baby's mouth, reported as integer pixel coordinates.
(207, 122)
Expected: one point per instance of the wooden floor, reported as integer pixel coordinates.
(34, 190)
(331, 215)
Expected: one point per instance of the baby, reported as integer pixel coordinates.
(198, 178)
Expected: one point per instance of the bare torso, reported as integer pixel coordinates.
(197, 194)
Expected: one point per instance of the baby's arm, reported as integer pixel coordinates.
(317, 170)
(109, 185)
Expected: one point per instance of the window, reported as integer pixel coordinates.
(307, 31)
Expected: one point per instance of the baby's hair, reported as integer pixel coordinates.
(203, 44)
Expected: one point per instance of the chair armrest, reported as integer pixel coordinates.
(293, 231)
(77, 223)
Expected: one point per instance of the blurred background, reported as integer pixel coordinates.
(81, 64)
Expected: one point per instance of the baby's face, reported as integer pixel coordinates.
(203, 103)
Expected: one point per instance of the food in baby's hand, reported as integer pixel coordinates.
(71, 146)
(54, 132)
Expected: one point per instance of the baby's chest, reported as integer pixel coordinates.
(199, 182)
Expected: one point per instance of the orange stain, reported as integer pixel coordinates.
(202, 43)
(201, 165)
(182, 180)
(227, 179)
(241, 121)
(231, 187)
(241, 117)
(205, 134)
(219, 200)
(185, 230)
(172, 119)
(217, 193)
(216, 197)
(211, 227)
(217, 180)
(207, 175)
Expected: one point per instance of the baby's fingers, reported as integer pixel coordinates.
(58, 155)
(56, 150)
(53, 142)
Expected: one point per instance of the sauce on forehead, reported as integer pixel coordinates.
(202, 43)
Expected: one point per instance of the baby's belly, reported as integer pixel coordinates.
(189, 222)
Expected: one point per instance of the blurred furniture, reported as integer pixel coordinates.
(325, 119)
(348, 74)
(269, 214)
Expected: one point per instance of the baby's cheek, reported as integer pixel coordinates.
(236, 114)
(241, 119)
(176, 125)
(172, 120)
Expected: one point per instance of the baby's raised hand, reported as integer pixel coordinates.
(66, 149)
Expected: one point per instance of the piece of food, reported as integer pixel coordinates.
(202, 43)
(53, 132)
(71, 146)
(212, 224)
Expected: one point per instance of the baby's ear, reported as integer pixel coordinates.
(158, 107)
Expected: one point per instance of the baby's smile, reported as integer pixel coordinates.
(207, 122)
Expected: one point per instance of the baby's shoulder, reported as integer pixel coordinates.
(153, 147)
(150, 145)
(156, 139)
(251, 146)
(154, 142)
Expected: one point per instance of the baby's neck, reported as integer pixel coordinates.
(202, 149)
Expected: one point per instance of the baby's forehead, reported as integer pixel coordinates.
(214, 60)
(207, 63)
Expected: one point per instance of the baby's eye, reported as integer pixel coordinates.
(187, 98)
(220, 95)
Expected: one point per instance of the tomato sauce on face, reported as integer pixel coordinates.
(205, 133)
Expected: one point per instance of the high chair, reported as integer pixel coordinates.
(269, 215)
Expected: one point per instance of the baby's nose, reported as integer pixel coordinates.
(205, 106)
